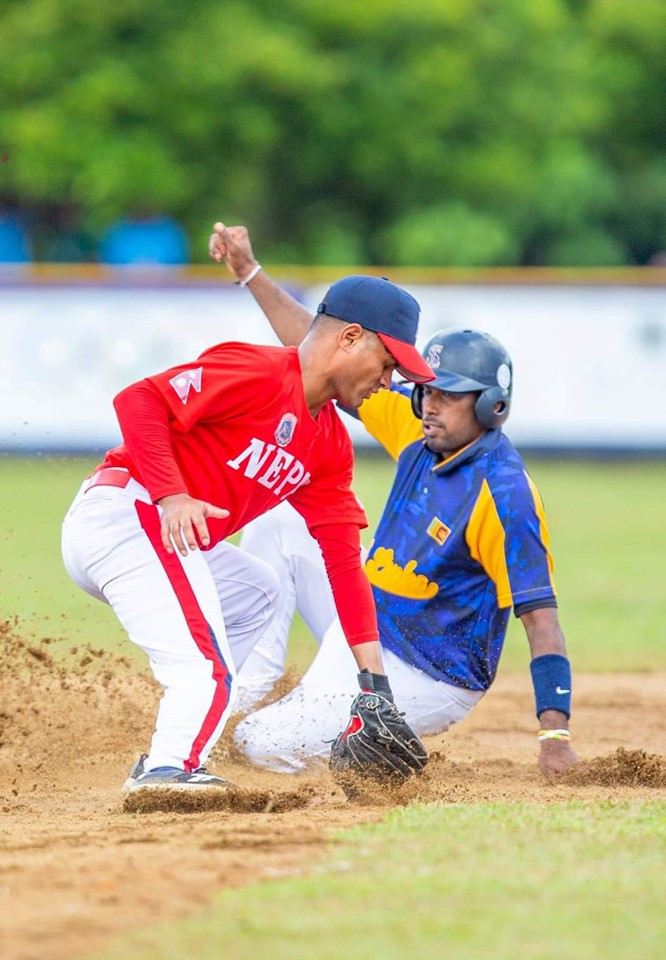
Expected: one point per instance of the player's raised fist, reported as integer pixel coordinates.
(233, 245)
(216, 245)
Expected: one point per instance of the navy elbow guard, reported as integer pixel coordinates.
(551, 676)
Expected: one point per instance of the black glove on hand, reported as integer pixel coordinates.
(377, 742)
(375, 683)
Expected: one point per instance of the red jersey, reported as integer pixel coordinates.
(243, 439)
(233, 429)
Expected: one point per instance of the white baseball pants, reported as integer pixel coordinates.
(281, 538)
(285, 736)
(197, 617)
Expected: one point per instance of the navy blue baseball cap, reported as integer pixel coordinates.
(389, 311)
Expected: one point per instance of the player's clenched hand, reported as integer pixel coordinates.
(233, 245)
(184, 520)
(556, 757)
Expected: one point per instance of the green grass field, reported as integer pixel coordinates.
(480, 882)
(608, 529)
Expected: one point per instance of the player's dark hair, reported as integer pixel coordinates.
(324, 320)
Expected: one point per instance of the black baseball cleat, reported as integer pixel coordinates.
(171, 778)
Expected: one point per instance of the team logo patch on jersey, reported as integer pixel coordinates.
(382, 571)
(285, 429)
(188, 380)
(434, 354)
(438, 530)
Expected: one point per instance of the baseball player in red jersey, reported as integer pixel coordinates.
(207, 446)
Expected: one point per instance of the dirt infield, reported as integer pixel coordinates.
(75, 868)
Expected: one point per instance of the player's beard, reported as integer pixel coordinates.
(447, 444)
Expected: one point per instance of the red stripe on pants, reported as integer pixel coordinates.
(198, 626)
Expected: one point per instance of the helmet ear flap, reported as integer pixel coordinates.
(417, 400)
(485, 411)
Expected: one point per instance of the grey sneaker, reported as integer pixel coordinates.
(170, 778)
(135, 772)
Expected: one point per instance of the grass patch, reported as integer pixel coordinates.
(35, 587)
(608, 526)
(607, 522)
(490, 882)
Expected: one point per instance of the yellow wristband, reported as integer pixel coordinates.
(554, 735)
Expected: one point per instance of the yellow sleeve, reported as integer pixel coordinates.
(544, 533)
(485, 538)
(388, 417)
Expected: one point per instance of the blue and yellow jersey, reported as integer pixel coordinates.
(461, 542)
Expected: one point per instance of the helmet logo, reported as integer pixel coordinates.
(504, 376)
(285, 429)
(434, 354)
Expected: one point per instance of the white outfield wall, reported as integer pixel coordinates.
(589, 358)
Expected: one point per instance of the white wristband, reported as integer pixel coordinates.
(251, 275)
(561, 734)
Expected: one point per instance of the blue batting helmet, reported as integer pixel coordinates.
(469, 361)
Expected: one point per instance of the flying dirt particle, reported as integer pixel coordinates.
(368, 791)
(40, 655)
(213, 799)
(624, 768)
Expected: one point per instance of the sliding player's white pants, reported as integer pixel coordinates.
(197, 617)
(287, 734)
(281, 538)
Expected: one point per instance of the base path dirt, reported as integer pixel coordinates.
(77, 869)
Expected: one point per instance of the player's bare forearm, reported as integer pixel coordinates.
(545, 636)
(288, 318)
(544, 633)
(368, 656)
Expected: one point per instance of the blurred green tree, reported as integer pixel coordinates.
(472, 132)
